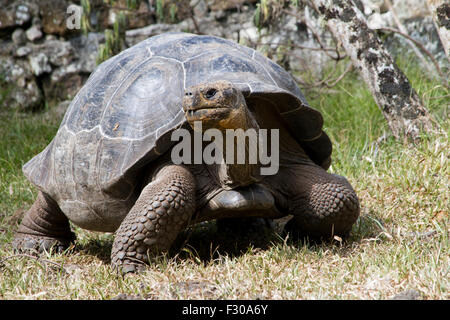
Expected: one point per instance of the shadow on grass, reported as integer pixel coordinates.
(228, 237)
(235, 237)
(208, 241)
(203, 242)
(99, 248)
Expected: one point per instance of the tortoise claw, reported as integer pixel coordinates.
(128, 266)
(31, 244)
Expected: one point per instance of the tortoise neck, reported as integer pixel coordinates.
(240, 165)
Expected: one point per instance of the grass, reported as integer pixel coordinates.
(399, 243)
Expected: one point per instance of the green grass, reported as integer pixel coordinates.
(400, 241)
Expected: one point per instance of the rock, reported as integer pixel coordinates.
(249, 32)
(136, 35)
(239, 23)
(219, 15)
(22, 14)
(51, 52)
(137, 19)
(23, 51)
(379, 15)
(411, 9)
(200, 8)
(14, 14)
(39, 63)
(99, 15)
(50, 37)
(216, 5)
(64, 82)
(373, 6)
(18, 37)
(34, 33)
(380, 20)
(123, 296)
(423, 31)
(410, 294)
(206, 289)
(22, 91)
(88, 45)
(60, 53)
(7, 48)
(54, 15)
(72, 69)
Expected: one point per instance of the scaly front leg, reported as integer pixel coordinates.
(163, 209)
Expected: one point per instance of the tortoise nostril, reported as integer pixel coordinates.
(188, 93)
(210, 93)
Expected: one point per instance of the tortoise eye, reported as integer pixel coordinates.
(210, 93)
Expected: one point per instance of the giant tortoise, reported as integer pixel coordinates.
(110, 166)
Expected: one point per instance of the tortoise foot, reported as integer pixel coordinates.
(32, 244)
(130, 267)
(43, 228)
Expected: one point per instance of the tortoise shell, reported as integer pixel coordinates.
(122, 118)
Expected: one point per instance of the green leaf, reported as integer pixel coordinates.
(160, 9)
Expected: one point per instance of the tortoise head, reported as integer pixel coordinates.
(217, 105)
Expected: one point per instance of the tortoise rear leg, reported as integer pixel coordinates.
(43, 227)
(323, 204)
(163, 209)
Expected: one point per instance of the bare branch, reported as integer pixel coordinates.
(194, 21)
(335, 82)
(403, 31)
(326, 82)
(421, 47)
(316, 36)
(298, 46)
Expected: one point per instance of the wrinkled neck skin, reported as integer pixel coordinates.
(236, 145)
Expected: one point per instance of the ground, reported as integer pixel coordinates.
(397, 249)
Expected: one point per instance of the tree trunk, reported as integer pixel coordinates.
(440, 10)
(400, 104)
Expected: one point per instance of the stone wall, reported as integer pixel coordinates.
(41, 60)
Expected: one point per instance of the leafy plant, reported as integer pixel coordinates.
(85, 18)
(268, 11)
(114, 39)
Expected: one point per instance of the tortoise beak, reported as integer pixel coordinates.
(190, 100)
(195, 100)
(206, 101)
